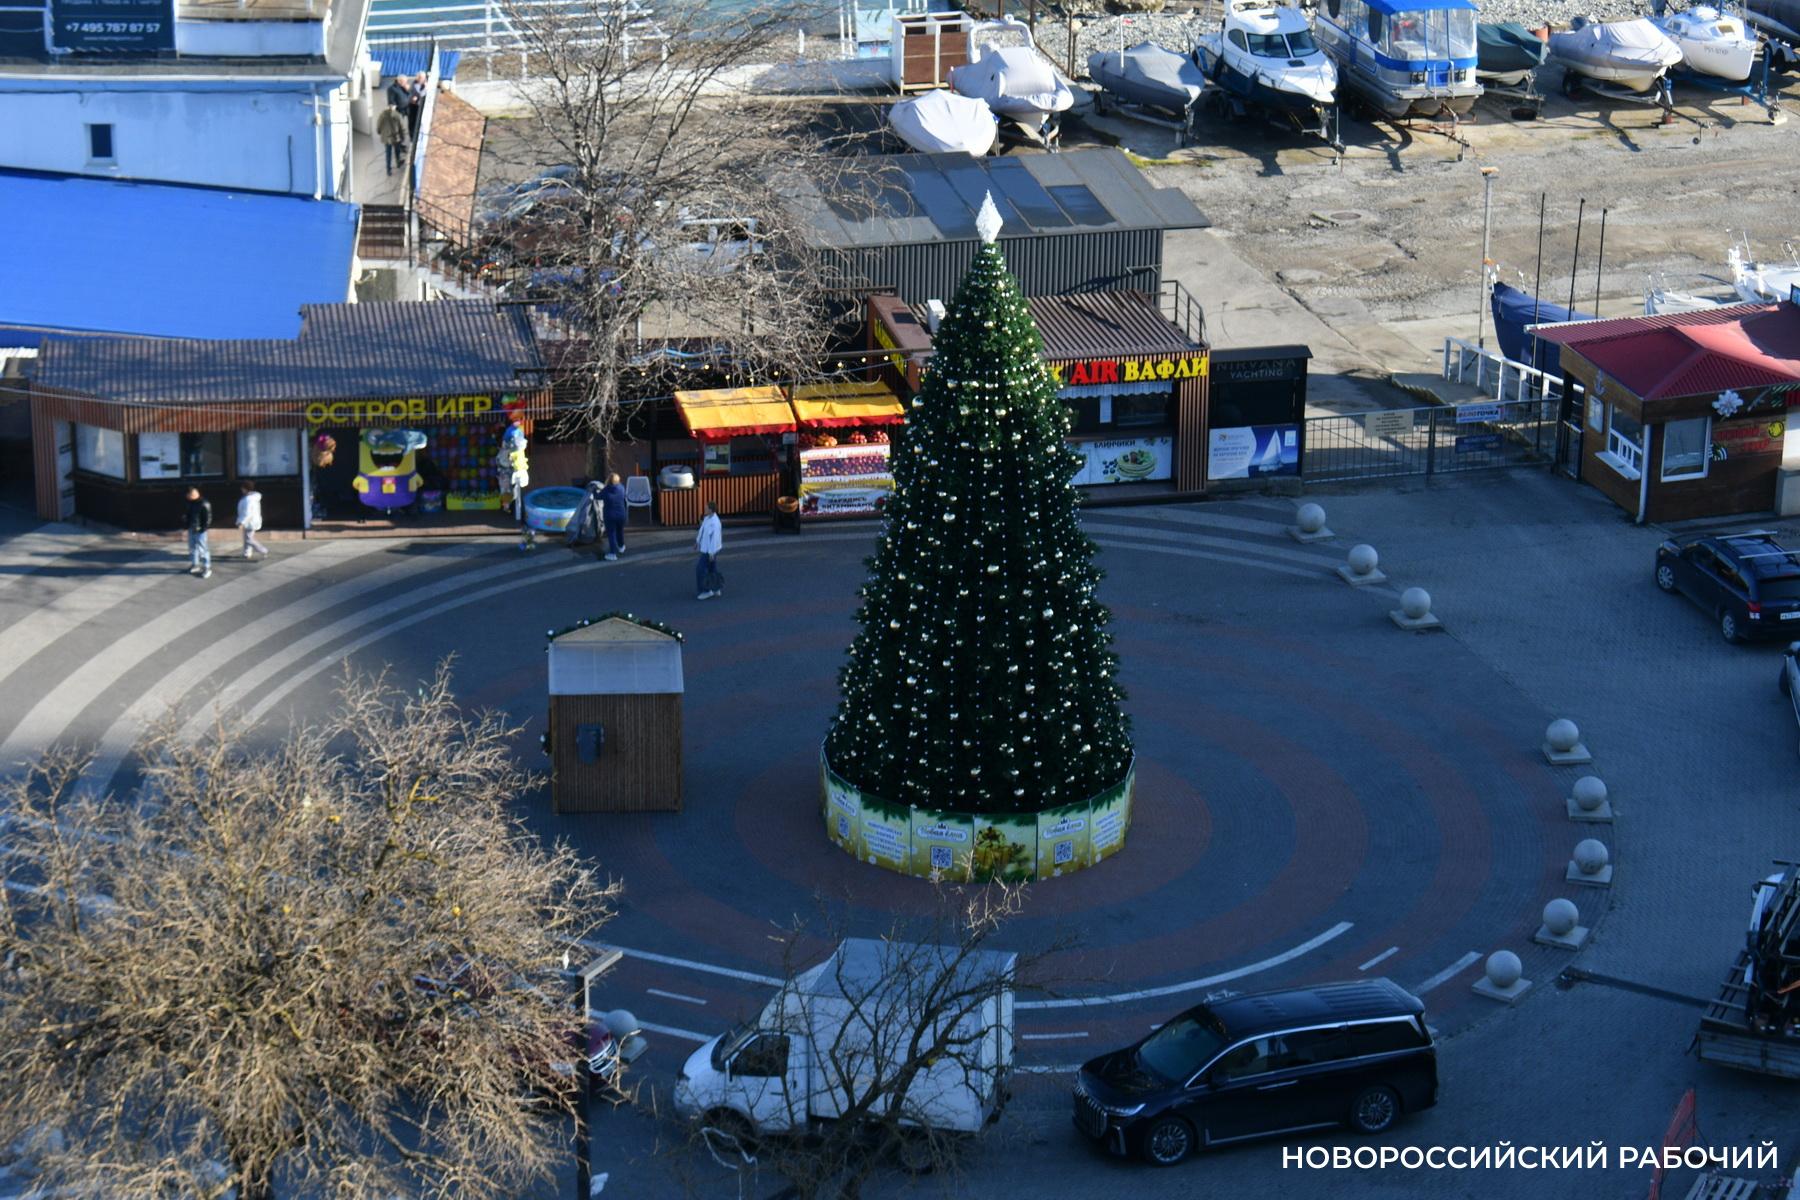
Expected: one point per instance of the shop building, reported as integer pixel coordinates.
(122, 427)
(1686, 415)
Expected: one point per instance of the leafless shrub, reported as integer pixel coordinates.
(329, 964)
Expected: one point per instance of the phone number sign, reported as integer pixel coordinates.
(112, 26)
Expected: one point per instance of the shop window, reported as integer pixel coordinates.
(268, 453)
(1139, 412)
(180, 456)
(716, 457)
(101, 451)
(100, 143)
(202, 455)
(1624, 443)
(1685, 445)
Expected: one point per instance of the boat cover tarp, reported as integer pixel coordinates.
(1012, 80)
(1514, 310)
(1508, 47)
(941, 122)
(1616, 44)
(1148, 74)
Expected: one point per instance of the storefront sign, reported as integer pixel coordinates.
(1253, 452)
(1110, 370)
(415, 409)
(1739, 438)
(840, 481)
(112, 26)
(1259, 370)
(1388, 423)
(886, 341)
(1125, 460)
(1478, 443)
(1468, 414)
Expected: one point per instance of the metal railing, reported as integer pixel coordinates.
(1435, 440)
(490, 28)
(1497, 375)
(1183, 311)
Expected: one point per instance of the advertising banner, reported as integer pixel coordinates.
(886, 835)
(844, 480)
(843, 812)
(1063, 844)
(1253, 451)
(1110, 817)
(1125, 460)
(112, 26)
(1005, 848)
(941, 842)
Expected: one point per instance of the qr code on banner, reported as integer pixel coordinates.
(1064, 853)
(843, 826)
(940, 858)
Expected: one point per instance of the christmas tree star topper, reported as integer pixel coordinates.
(987, 221)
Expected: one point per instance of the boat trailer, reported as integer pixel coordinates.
(1757, 88)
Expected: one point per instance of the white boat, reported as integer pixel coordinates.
(1634, 55)
(1759, 283)
(1711, 42)
(1018, 81)
(942, 122)
(1263, 52)
(1404, 58)
(1148, 76)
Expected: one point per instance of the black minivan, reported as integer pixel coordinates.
(1356, 1054)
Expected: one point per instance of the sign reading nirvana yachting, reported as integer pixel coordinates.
(112, 26)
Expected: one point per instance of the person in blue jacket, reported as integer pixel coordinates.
(613, 512)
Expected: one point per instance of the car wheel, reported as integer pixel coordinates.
(915, 1154)
(1375, 1110)
(1665, 577)
(1728, 627)
(1168, 1140)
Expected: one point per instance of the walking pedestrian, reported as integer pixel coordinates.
(415, 107)
(399, 92)
(249, 518)
(198, 519)
(709, 541)
(613, 512)
(390, 127)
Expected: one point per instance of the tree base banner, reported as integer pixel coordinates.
(1010, 847)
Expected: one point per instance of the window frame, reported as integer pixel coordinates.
(247, 464)
(94, 133)
(1705, 451)
(1630, 464)
(124, 471)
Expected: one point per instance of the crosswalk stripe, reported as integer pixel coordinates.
(1182, 538)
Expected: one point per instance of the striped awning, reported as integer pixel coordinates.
(716, 414)
(847, 402)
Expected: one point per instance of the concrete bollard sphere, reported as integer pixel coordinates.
(1590, 793)
(619, 1022)
(1560, 917)
(1310, 518)
(1363, 559)
(1415, 602)
(1503, 968)
(1591, 856)
(1562, 735)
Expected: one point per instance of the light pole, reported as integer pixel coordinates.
(1487, 213)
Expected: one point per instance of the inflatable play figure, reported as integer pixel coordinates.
(389, 476)
(514, 469)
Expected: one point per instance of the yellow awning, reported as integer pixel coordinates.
(717, 414)
(848, 402)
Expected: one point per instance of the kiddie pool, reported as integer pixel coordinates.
(551, 509)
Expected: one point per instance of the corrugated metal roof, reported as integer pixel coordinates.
(103, 256)
(906, 199)
(1095, 324)
(344, 351)
(1692, 353)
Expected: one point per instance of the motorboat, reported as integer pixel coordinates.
(1758, 282)
(1008, 72)
(1403, 58)
(1661, 300)
(1506, 54)
(942, 122)
(1148, 76)
(1634, 55)
(1711, 42)
(1263, 53)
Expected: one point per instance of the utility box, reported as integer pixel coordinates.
(615, 717)
(924, 48)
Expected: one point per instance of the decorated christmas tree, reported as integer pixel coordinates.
(982, 680)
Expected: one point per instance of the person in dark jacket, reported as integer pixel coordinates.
(613, 511)
(198, 519)
(398, 92)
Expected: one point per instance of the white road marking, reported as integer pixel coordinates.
(1384, 954)
(1217, 520)
(1450, 972)
(671, 1031)
(1311, 944)
(1046, 1070)
(669, 960)
(1287, 553)
(675, 996)
(1052, 1037)
(1235, 559)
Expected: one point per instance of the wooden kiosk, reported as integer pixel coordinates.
(615, 717)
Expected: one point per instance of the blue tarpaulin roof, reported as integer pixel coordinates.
(1513, 311)
(1390, 7)
(97, 255)
(410, 60)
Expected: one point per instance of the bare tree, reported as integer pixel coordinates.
(667, 222)
(327, 963)
(893, 1052)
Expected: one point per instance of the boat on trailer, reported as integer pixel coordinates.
(1018, 81)
(1148, 76)
(1263, 55)
(1634, 55)
(1403, 58)
(942, 122)
(1712, 43)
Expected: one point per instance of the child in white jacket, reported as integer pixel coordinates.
(249, 519)
(709, 541)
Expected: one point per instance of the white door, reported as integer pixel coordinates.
(763, 1075)
(65, 470)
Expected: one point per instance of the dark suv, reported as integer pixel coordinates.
(1356, 1054)
(1747, 581)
